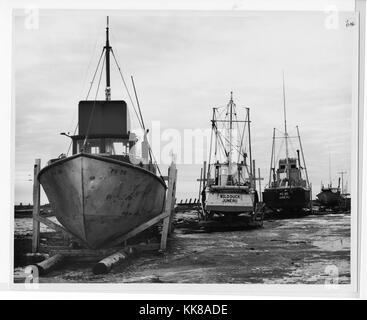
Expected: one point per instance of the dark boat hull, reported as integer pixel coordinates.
(99, 199)
(328, 198)
(292, 199)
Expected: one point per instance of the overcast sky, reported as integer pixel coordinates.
(183, 66)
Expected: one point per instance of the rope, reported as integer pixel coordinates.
(90, 87)
(94, 104)
(141, 121)
(94, 75)
(127, 89)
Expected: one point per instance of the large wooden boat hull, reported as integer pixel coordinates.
(291, 198)
(328, 198)
(99, 199)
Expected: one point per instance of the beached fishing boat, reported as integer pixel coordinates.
(104, 189)
(287, 190)
(229, 184)
(329, 196)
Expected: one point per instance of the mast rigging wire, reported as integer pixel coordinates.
(94, 104)
(89, 90)
(126, 88)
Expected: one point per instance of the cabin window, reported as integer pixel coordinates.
(293, 166)
(282, 167)
(92, 146)
(117, 147)
(94, 149)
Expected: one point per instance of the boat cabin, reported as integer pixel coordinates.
(222, 177)
(291, 178)
(106, 125)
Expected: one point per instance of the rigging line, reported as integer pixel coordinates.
(211, 142)
(216, 136)
(94, 75)
(292, 147)
(279, 151)
(231, 144)
(94, 104)
(221, 141)
(90, 88)
(127, 89)
(152, 158)
(83, 84)
(242, 138)
(137, 102)
(151, 154)
(238, 132)
(159, 170)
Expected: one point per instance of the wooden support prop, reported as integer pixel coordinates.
(33, 258)
(36, 207)
(173, 202)
(37, 219)
(170, 203)
(49, 264)
(138, 229)
(59, 228)
(105, 265)
(260, 194)
(204, 174)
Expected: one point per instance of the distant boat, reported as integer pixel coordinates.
(103, 190)
(287, 190)
(329, 197)
(230, 187)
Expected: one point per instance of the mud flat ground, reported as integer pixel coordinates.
(291, 251)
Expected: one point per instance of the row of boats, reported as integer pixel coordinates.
(104, 189)
(230, 187)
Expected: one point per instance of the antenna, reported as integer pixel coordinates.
(108, 49)
(285, 131)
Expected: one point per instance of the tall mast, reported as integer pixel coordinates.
(230, 134)
(285, 131)
(108, 49)
(303, 157)
(342, 173)
(249, 139)
(330, 171)
(271, 159)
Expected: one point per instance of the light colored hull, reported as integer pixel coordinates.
(227, 202)
(99, 199)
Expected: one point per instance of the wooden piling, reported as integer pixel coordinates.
(36, 207)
